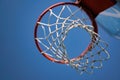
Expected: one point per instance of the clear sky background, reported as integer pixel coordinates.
(19, 57)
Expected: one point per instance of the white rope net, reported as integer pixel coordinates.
(53, 30)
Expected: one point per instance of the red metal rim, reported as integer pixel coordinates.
(53, 6)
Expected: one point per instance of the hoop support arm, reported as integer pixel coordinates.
(97, 6)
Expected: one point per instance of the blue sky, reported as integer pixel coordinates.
(19, 57)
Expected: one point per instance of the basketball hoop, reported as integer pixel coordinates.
(52, 28)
